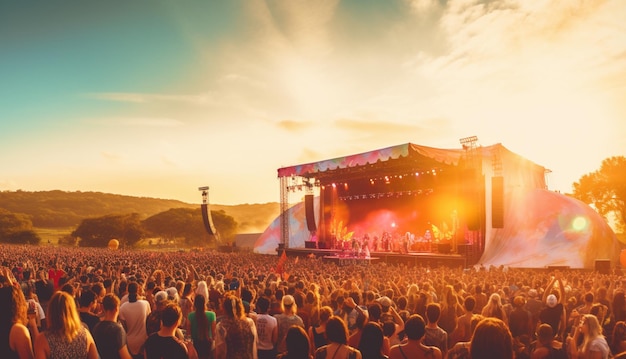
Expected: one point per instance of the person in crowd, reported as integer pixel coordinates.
(267, 330)
(297, 343)
(371, 342)
(108, 334)
(481, 299)
(494, 308)
(618, 338)
(460, 350)
(44, 288)
(133, 315)
(201, 324)
(236, 334)
(153, 321)
(164, 343)
(355, 336)
(534, 305)
(317, 333)
(186, 303)
(287, 319)
(463, 331)
(337, 347)
(414, 328)
(34, 306)
(65, 336)
(15, 337)
(546, 346)
(435, 335)
(589, 333)
(450, 310)
(87, 304)
(491, 340)
(520, 320)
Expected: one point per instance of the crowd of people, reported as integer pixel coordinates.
(98, 303)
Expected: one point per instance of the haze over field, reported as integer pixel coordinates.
(155, 98)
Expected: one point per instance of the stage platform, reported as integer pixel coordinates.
(412, 258)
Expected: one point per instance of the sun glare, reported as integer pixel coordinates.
(579, 223)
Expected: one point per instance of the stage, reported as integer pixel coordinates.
(342, 258)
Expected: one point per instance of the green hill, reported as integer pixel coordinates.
(60, 209)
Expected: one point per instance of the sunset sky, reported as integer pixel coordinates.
(156, 98)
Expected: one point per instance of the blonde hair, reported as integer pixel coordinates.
(62, 318)
(595, 330)
(233, 307)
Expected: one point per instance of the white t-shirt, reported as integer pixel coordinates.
(265, 325)
(133, 315)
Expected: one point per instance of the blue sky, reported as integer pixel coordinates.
(156, 98)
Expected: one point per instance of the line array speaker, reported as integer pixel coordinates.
(310, 212)
(497, 202)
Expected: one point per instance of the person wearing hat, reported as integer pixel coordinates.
(287, 319)
(554, 312)
(153, 322)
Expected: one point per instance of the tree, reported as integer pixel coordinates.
(605, 189)
(23, 237)
(97, 232)
(17, 228)
(187, 223)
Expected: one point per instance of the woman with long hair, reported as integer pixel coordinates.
(201, 324)
(297, 344)
(371, 343)
(337, 347)
(185, 302)
(450, 311)
(618, 338)
(66, 336)
(494, 308)
(589, 332)
(15, 339)
(236, 333)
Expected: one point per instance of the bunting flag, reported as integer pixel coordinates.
(281, 262)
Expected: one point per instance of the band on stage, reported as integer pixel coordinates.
(431, 240)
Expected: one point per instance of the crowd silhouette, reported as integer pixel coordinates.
(97, 303)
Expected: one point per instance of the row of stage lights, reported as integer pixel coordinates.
(380, 195)
(388, 179)
(299, 183)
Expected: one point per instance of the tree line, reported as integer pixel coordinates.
(183, 225)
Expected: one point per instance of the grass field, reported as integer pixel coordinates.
(52, 235)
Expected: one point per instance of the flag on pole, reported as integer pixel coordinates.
(281, 263)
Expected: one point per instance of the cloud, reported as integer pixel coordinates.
(309, 155)
(110, 157)
(199, 99)
(156, 122)
(295, 126)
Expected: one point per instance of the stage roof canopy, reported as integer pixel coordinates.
(400, 157)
